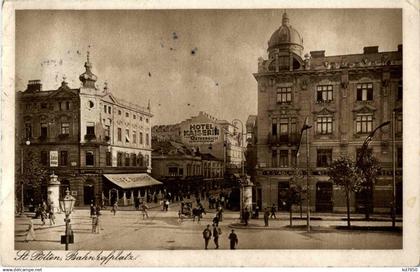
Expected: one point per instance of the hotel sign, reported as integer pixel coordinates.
(201, 133)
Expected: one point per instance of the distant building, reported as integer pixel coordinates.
(344, 97)
(88, 138)
(206, 134)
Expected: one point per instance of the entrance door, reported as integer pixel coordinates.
(88, 194)
(283, 189)
(324, 197)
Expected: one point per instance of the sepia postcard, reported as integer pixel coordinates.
(185, 134)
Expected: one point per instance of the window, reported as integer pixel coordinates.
(119, 134)
(127, 114)
(91, 104)
(324, 93)
(181, 171)
(141, 138)
(140, 159)
(133, 160)
(284, 129)
(107, 131)
(173, 171)
(67, 105)
(60, 106)
(44, 105)
(108, 158)
(274, 127)
(365, 92)
(28, 130)
(44, 157)
(284, 62)
(147, 160)
(147, 120)
(284, 94)
(90, 159)
(274, 158)
(400, 91)
(399, 157)
(293, 158)
(105, 108)
(147, 138)
(134, 137)
(398, 124)
(127, 135)
(119, 112)
(141, 118)
(323, 157)
(90, 128)
(63, 158)
(364, 123)
(127, 159)
(324, 125)
(65, 128)
(134, 116)
(109, 109)
(44, 130)
(284, 158)
(119, 159)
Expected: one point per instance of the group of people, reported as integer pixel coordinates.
(95, 213)
(46, 211)
(217, 231)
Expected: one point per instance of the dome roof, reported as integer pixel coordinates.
(88, 78)
(285, 35)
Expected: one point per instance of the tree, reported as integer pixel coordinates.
(369, 167)
(344, 173)
(31, 174)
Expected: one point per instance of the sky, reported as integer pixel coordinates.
(184, 61)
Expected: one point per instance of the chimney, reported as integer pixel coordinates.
(34, 86)
(370, 49)
(400, 49)
(318, 54)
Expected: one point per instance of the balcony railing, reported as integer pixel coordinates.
(283, 139)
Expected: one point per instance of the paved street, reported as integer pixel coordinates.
(163, 230)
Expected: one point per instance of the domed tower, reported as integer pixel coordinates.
(285, 48)
(88, 79)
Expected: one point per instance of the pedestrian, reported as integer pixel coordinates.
(216, 220)
(220, 213)
(206, 236)
(31, 231)
(257, 212)
(94, 222)
(266, 215)
(166, 205)
(114, 207)
(98, 221)
(43, 214)
(246, 216)
(216, 233)
(273, 211)
(92, 209)
(233, 239)
(144, 209)
(52, 216)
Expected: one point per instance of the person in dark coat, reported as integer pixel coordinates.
(216, 233)
(92, 209)
(246, 216)
(233, 239)
(273, 211)
(206, 236)
(266, 215)
(216, 220)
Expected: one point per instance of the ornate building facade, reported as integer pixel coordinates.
(88, 138)
(344, 98)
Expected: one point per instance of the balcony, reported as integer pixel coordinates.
(90, 137)
(285, 139)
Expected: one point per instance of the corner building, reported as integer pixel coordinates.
(344, 97)
(98, 145)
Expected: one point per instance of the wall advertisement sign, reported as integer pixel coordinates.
(201, 133)
(53, 158)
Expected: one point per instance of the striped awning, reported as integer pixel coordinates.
(128, 181)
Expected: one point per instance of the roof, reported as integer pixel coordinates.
(208, 157)
(285, 34)
(128, 181)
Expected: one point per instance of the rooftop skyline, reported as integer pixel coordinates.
(184, 61)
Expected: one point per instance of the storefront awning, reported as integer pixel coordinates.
(128, 181)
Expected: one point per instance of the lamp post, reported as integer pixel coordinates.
(364, 148)
(22, 207)
(66, 205)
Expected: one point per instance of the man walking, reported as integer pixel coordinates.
(216, 232)
(206, 236)
(233, 239)
(273, 211)
(144, 208)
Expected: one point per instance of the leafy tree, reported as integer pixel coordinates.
(344, 173)
(32, 175)
(369, 166)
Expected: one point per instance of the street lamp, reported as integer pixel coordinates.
(22, 208)
(66, 205)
